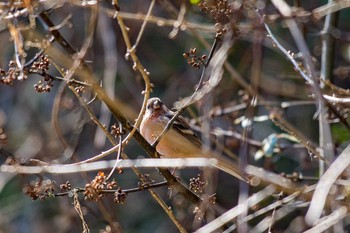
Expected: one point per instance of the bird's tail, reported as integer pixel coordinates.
(231, 168)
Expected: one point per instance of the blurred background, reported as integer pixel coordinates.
(50, 124)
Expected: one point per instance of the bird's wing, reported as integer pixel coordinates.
(182, 127)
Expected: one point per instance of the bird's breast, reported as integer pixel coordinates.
(172, 143)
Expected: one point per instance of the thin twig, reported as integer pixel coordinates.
(284, 125)
(327, 150)
(235, 211)
(143, 26)
(272, 218)
(112, 191)
(324, 185)
(120, 149)
(273, 206)
(108, 164)
(330, 220)
(330, 8)
(178, 22)
(78, 208)
(62, 24)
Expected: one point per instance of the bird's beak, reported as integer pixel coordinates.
(157, 105)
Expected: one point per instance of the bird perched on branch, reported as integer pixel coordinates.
(179, 141)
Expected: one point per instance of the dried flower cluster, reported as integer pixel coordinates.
(44, 85)
(41, 65)
(40, 189)
(116, 131)
(94, 189)
(119, 196)
(66, 186)
(197, 185)
(193, 59)
(222, 12)
(7, 77)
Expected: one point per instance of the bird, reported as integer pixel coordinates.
(179, 141)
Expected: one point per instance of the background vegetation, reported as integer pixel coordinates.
(263, 82)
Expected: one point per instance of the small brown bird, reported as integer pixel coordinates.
(180, 141)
